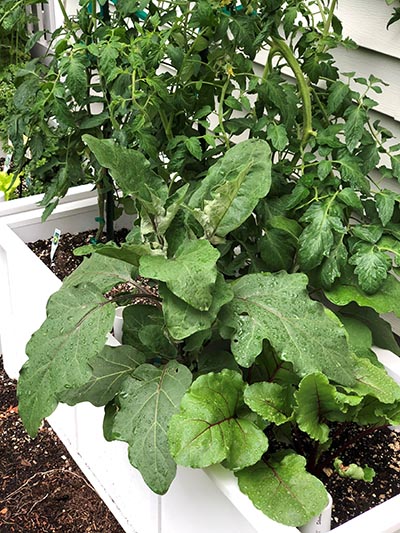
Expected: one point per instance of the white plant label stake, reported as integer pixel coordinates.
(54, 243)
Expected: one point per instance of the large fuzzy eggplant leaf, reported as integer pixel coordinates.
(208, 431)
(283, 490)
(386, 300)
(109, 369)
(233, 187)
(147, 401)
(316, 403)
(131, 171)
(190, 275)
(277, 307)
(182, 320)
(277, 250)
(78, 320)
(374, 381)
(381, 330)
(104, 272)
(271, 401)
(143, 328)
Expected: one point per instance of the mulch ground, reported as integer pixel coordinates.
(42, 490)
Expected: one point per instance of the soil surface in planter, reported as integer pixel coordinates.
(41, 488)
(51, 468)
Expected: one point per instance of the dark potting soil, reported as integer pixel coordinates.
(379, 450)
(65, 261)
(60, 504)
(42, 490)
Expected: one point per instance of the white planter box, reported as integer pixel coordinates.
(198, 501)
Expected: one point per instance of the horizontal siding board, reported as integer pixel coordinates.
(365, 22)
(387, 68)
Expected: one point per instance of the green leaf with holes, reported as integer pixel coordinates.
(277, 307)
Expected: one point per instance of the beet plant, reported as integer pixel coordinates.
(272, 249)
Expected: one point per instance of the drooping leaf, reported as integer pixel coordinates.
(215, 361)
(183, 320)
(109, 369)
(385, 202)
(78, 320)
(283, 490)
(232, 188)
(190, 274)
(128, 253)
(332, 267)
(354, 126)
(172, 206)
(368, 232)
(316, 403)
(208, 431)
(271, 401)
(269, 367)
(317, 238)
(147, 402)
(194, 147)
(350, 198)
(130, 169)
(359, 337)
(277, 307)
(76, 79)
(337, 93)
(351, 172)
(104, 272)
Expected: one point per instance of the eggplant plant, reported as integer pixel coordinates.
(272, 248)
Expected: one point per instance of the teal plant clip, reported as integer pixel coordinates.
(142, 15)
